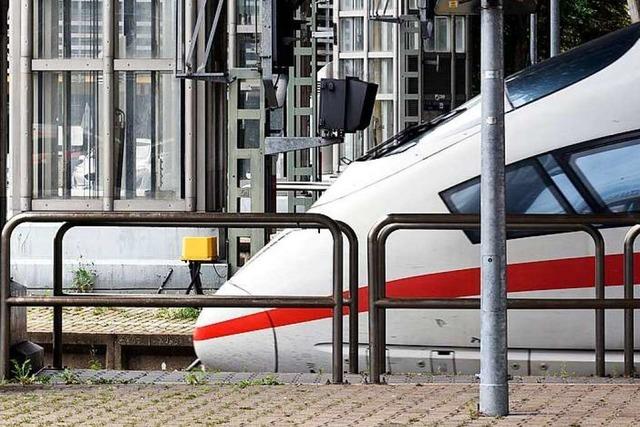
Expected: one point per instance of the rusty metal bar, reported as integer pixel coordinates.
(377, 269)
(629, 338)
(163, 300)
(175, 219)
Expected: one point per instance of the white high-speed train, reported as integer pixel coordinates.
(573, 146)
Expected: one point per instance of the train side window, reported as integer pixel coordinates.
(564, 184)
(528, 192)
(611, 174)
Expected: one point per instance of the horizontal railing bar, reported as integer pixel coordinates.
(157, 301)
(512, 303)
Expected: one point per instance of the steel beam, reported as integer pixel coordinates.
(26, 105)
(533, 38)
(554, 21)
(108, 96)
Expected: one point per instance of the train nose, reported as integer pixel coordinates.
(235, 339)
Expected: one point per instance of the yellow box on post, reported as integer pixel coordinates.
(203, 249)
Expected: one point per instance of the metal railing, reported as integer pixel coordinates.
(165, 219)
(379, 302)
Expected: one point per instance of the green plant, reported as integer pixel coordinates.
(183, 313)
(97, 311)
(84, 278)
(22, 372)
(267, 380)
(195, 378)
(70, 377)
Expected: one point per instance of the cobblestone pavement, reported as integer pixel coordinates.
(314, 405)
(89, 320)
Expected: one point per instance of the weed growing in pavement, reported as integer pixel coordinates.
(70, 377)
(268, 380)
(182, 313)
(22, 372)
(195, 378)
(84, 277)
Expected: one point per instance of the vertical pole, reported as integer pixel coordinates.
(468, 58)
(452, 41)
(108, 107)
(533, 38)
(554, 32)
(629, 365)
(26, 106)
(494, 390)
(4, 7)
(189, 115)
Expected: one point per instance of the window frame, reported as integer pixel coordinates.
(562, 156)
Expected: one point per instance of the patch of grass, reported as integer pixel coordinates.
(84, 278)
(195, 378)
(70, 377)
(182, 313)
(98, 311)
(268, 380)
(22, 372)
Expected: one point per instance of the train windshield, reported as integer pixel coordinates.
(572, 66)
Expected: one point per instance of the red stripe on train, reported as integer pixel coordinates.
(570, 273)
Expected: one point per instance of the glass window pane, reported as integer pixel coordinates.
(67, 150)
(381, 36)
(527, 193)
(460, 30)
(351, 68)
(381, 122)
(381, 72)
(564, 184)
(564, 70)
(247, 53)
(612, 174)
(351, 34)
(148, 146)
(67, 29)
(146, 28)
(441, 34)
(249, 12)
(249, 95)
(248, 133)
(351, 4)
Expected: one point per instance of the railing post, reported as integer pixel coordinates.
(629, 314)
(58, 282)
(374, 318)
(353, 295)
(600, 294)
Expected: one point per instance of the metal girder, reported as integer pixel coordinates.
(283, 144)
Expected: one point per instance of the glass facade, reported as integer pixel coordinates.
(67, 29)
(68, 116)
(66, 135)
(146, 28)
(147, 150)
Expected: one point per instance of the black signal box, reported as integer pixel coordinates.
(346, 105)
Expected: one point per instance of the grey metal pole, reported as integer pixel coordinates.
(452, 40)
(108, 98)
(494, 390)
(554, 32)
(533, 38)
